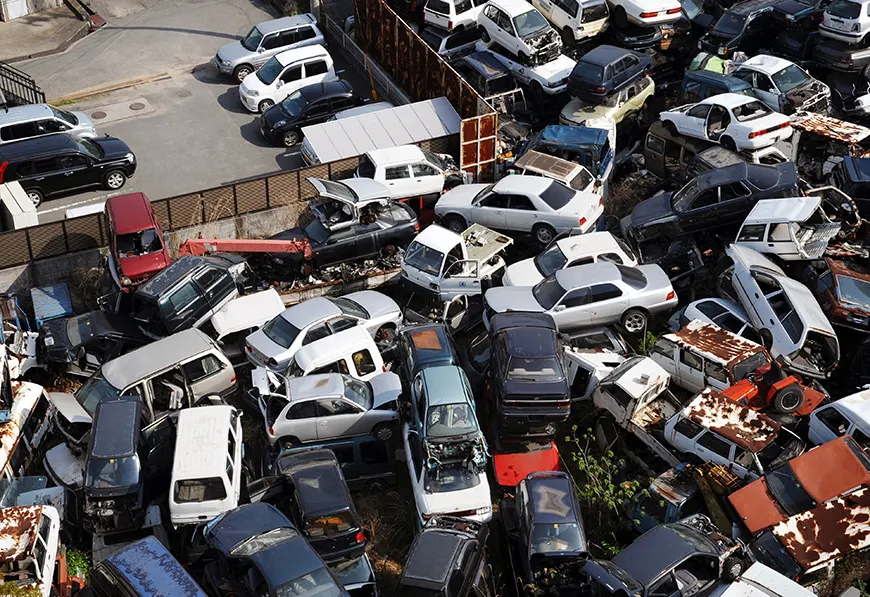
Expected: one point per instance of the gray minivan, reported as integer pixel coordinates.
(33, 120)
(241, 58)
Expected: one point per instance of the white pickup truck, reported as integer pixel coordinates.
(450, 264)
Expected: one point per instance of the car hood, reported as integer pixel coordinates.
(233, 51)
(386, 387)
(512, 298)
(252, 82)
(460, 196)
(274, 115)
(578, 111)
(376, 304)
(654, 208)
(807, 91)
(112, 147)
(69, 407)
(555, 70)
(522, 273)
(135, 267)
(755, 507)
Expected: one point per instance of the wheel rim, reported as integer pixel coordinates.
(115, 180)
(34, 198)
(290, 139)
(384, 433)
(455, 226)
(790, 400)
(265, 105)
(544, 235)
(735, 570)
(244, 72)
(634, 322)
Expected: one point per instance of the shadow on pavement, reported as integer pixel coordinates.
(229, 100)
(207, 72)
(290, 158)
(174, 30)
(251, 133)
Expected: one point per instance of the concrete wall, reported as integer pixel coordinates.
(32, 7)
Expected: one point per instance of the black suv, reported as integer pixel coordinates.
(529, 386)
(746, 26)
(282, 123)
(716, 200)
(852, 176)
(606, 70)
(448, 558)
(61, 164)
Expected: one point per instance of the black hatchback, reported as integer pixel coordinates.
(62, 164)
(606, 70)
(282, 123)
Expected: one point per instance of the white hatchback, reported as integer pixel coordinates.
(452, 15)
(285, 73)
(847, 20)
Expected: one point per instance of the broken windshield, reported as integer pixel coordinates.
(550, 260)
(138, 243)
(530, 23)
(853, 291)
(449, 420)
(790, 77)
(426, 259)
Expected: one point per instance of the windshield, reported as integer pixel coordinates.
(789, 493)
(263, 541)
(448, 420)
(768, 550)
(582, 180)
(294, 104)
(434, 160)
(534, 369)
(112, 472)
(95, 390)
(790, 77)
(852, 290)
(79, 330)
(680, 199)
(200, 490)
(270, 71)
(64, 115)
(845, 10)
(252, 40)
(281, 332)
(138, 243)
(530, 23)
(316, 231)
(588, 71)
(691, 9)
(553, 538)
(557, 195)
(548, 292)
(91, 148)
(358, 392)
(729, 24)
(749, 365)
(632, 276)
(453, 477)
(550, 260)
(423, 258)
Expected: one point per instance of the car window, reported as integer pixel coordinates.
(272, 41)
(764, 83)
(708, 198)
(373, 452)
(715, 444)
(202, 368)
(732, 191)
(664, 347)
(396, 173)
(337, 104)
(692, 93)
(18, 131)
(44, 166)
(752, 233)
(834, 420)
(688, 428)
(363, 362)
(781, 232)
(717, 372)
(292, 74)
(333, 407)
(711, 309)
(318, 67)
(699, 111)
(655, 144)
(691, 359)
(302, 410)
(73, 161)
(521, 202)
(438, 6)
(666, 587)
(576, 298)
(424, 170)
(494, 200)
(316, 109)
(604, 292)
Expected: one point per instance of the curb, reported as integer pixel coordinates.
(81, 32)
(76, 97)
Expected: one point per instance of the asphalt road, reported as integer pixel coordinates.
(198, 136)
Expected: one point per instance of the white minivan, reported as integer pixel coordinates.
(207, 467)
(285, 73)
(452, 15)
(574, 19)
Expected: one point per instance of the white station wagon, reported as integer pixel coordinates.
(645, 13)
(734, 121)
(285, 73)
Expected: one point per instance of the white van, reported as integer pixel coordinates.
(574, 19)
(207, 468)
(452, 15)
(352, 352)
(31, 535)
(285, 73)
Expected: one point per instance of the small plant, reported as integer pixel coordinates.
(13, 590)
(78, 562)
(646, 344)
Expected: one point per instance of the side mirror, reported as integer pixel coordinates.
(559, 308)
(279, 84)
(260, 50)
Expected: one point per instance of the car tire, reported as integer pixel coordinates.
(452, 181)
(484, 35)
(386, 334)
(728, 143)
(288, 441)
(383, 432)
(634, 321)
(242, 71)
(35, 196)
(789, 399)
(290, 138)
(265, 105)
(766, 338)
(620, 17)
(114, 180)
(455, 224)
(732, 568)
(866, 71)
(544, 234)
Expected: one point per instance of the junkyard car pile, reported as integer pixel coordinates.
(679, 266)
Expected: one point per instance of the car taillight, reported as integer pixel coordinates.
(248, 348)
(417, 228)
(234, 378)
(360, 537)
(600, 199)
(384, 367)
(768, 130)
(582, 221)
(649, 15)
(449, 25)
(674, 11)
(671, 295)
(271, 430)
(2, 170)
(599, 90)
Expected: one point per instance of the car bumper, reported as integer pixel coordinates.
(847, 36)
(660, 19)
(228, 69)
(664, 306)
(272, 136)
(250, 103)
(592, 29)
(765, 140)
(846, 65)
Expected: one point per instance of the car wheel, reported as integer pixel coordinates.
(242, 71)
(290, 138)
(35, 196)
(634, 321)
(383, 431)
(452, 181)
(766, 338)
(455, 224)
(620, 17)
(484, 35)
(386, 334)
(288, 442)
(789, 399)
(732, 568)
(728, 143)
(115, 180)
(265, 105)
(866, 71)
(543, 233)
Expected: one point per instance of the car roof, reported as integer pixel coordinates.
(181, 268)
(829, 470)
(719, 157)
(714, 343)
(784, 209)
(552, 497)
(857, 407)
(439, 238)
(130, 212)
(152, 358)
(330, 88)
(485, 63)
(286, 22)
(116, 426)
(729, 100)
(244, 522)
(604, 54)
(403, 154)
(152, 570)
(309, 311)
(444, 385)
(286, 561)
(295, 54)
(201, 441)
(37, 146)
(591, 243)
(745, 427)
(434, 552)
(655, 551)
(319, 484)
(766, 63)
(638, 374)
(518, 319)
(750, 6)
(513, 7)
(714, 77)
(17, 114)
(428, 343)
(587, 274)
(316, 386)
(830, 127)
(523, 183)
(335, 345)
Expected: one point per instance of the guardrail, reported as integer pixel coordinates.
(18, 87)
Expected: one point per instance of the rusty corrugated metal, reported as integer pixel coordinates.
(715, 343)
(833, 128)
(745, 427)
(18, 527)
(828, 532)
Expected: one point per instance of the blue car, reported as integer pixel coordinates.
(587, 146)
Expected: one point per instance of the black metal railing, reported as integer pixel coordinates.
(18, 87)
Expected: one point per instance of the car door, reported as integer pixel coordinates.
(269, 46)
(414, 448)
(700, 212)
(216, 284)
(338, 417)
(398, 180)
(202, 375)
(366, 239)
(693, 123)
(607, 303)
(44, 173)
(490, 210)
(428, 180)
(712, 448)
(629, 68)
(316, 71)
(546, 7)
(77, 172)
(507, 36)
(288, 81)
(766, 91)
(735, 201)
(182, 307)
(300, 421)
(572, 310)
(690, 371)
(718, 121)
(520, 214)
(317, 112)
(461, 278)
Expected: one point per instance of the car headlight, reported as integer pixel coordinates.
(130, 157)
(253, 92)
(279, 124)
(226, 62)
(856, 27)
(49, 341)
(125, 281)
(483, 511)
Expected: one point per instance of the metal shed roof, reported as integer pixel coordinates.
(403, 125)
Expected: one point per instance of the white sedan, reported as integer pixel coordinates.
(518, 203)
(734, 121)
(645, 13)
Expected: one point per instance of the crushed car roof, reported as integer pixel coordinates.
(316, 386)
(785, 209)
(152, 570)
(657, 550)
(833, 128)
(715, 343)
(745, 427)
(766, 63)
(675, 485)
(18, 528)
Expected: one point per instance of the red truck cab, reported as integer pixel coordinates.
(137, 245)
